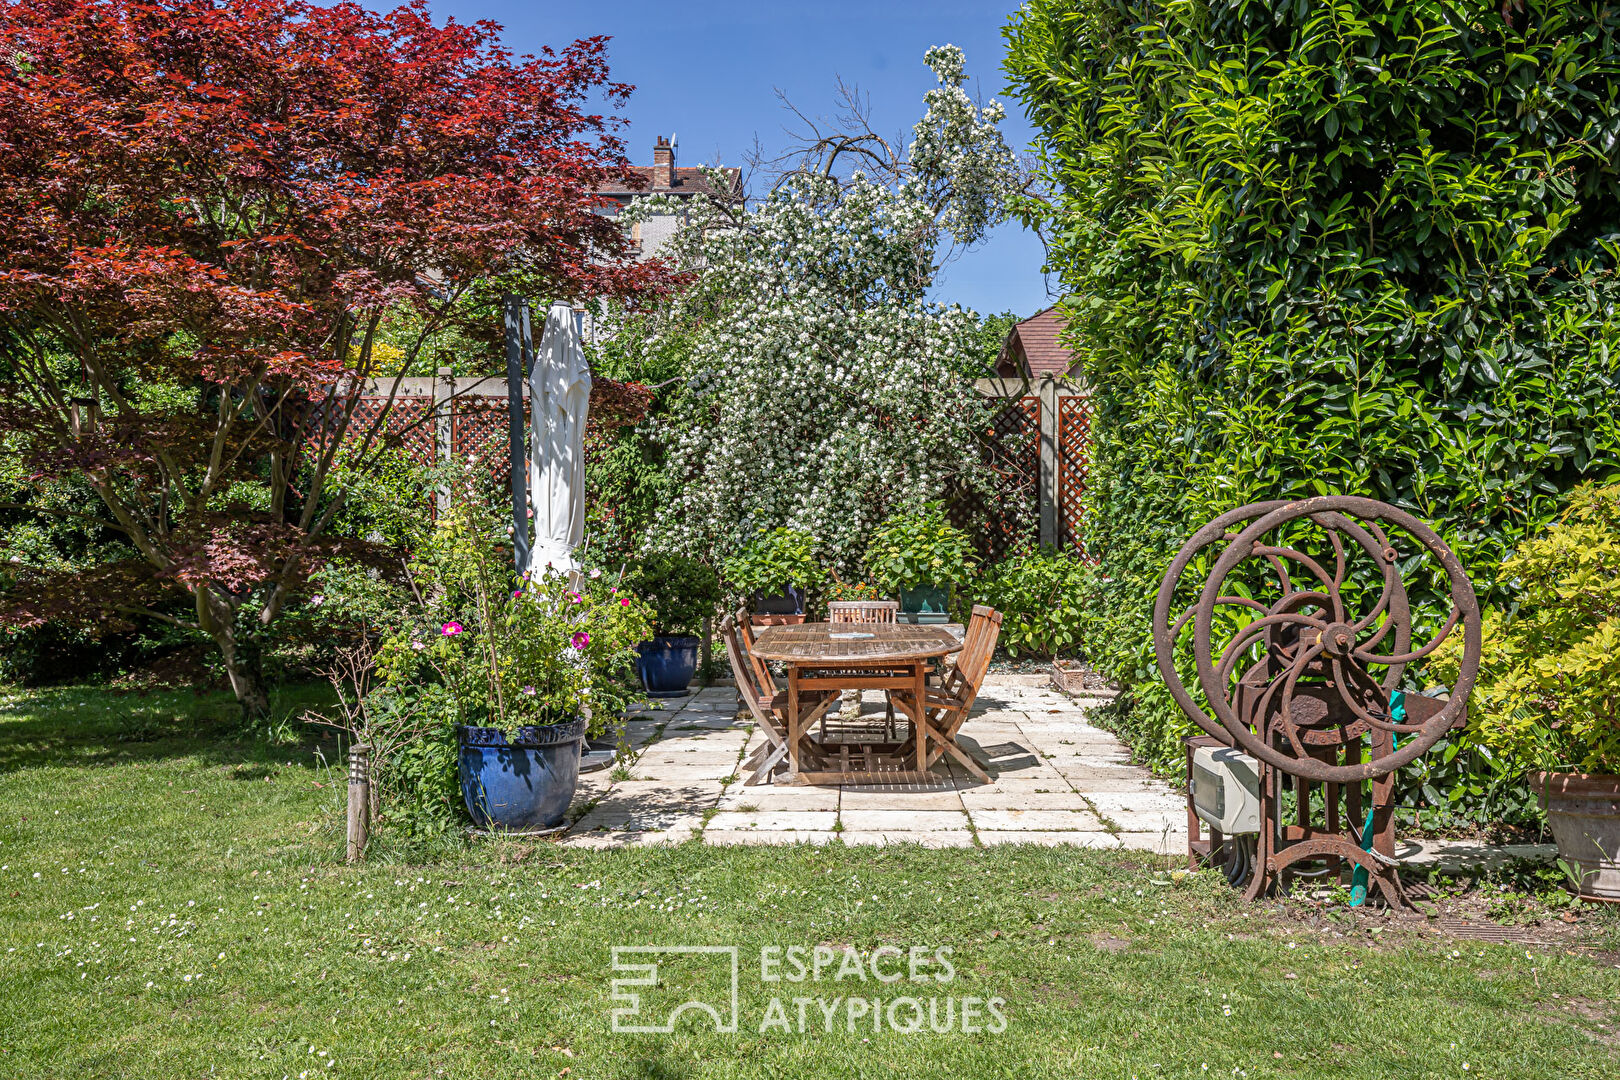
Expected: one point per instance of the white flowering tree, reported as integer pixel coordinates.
(825, 389)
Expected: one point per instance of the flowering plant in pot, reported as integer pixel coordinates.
(528, 664)
(921, 556)
(1548, 693)
(682, 592)
(777, 568)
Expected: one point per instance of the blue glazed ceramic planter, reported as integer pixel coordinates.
(521, 782)
(666, 664)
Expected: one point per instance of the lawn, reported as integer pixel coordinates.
(175, 906)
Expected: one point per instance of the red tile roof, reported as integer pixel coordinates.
(1033, 348)
(684, 180)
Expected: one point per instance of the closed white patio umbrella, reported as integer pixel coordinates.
(559, 397)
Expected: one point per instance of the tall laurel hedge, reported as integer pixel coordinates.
(1362, 247)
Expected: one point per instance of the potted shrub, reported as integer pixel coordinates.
(1548, 694)
(529, 667)
(777, 568)
(920, 556)
(1038, 592)
(682, 592)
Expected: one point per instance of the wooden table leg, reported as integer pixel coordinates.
(919, 690)
(793, 720)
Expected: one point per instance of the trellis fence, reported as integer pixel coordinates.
(1038, 447)
(447, 417)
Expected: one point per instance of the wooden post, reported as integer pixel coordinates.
(1047, 485)
(359, 800)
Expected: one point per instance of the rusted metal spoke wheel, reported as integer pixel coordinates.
(1324, 656)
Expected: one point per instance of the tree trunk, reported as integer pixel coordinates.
(240, 654)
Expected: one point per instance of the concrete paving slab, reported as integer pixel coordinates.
(657, 755)
(902, 820)
(1024, 800)
(1169, 844)
(764, 836)
(774, 797)
(1098, 840)
(774, 821)
(1035, 820)
(654, 770)
(940, 838)
(903, 801)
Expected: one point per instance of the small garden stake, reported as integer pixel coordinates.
(359, 800)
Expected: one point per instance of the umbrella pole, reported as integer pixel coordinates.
(517, 351)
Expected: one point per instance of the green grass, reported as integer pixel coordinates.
(175, 906)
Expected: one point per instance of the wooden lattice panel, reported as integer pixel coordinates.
(1073, 467)
(1009, 517)
(480, 434)
(418, 441)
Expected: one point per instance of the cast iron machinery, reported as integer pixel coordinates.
(1301, 636)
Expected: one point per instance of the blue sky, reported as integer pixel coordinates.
(708, 71)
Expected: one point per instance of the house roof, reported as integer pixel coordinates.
(683, 180)
(1033, 349)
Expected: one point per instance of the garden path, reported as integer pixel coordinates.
(1056, 779)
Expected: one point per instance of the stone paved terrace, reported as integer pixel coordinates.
(1057, 779)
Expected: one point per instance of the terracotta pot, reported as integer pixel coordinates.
(1583, 812)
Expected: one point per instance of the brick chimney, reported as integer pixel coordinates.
(663, 175)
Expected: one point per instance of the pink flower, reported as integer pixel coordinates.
(573, 597)
(418, 646)
(581, 639)
(450, 629)
(516, 593)
(624, 602)
(529, 690)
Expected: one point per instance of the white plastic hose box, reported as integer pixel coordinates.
(1226, 789)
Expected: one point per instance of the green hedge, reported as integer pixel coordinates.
(1362, 247)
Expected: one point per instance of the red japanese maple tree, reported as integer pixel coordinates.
(207, 209)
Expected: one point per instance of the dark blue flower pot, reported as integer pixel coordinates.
(666, 664)
(790, 602)
(521, 782)
(928, 604)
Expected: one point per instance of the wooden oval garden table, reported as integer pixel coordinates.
(857, 656)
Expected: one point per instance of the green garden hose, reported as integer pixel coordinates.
(1358, 879)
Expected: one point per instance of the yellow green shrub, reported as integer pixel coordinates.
(1548, 694)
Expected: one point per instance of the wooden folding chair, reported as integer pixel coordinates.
(864, 613)
(769, 706)
(949, 702)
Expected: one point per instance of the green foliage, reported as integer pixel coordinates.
(774, 560)
(537, 653)
(626, 478)
(919, 548)
(840, 589)
(1039, 594)
(682, 591)
(1363, 247)
(993, 331)
(1548, 695)
(1461, 782)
